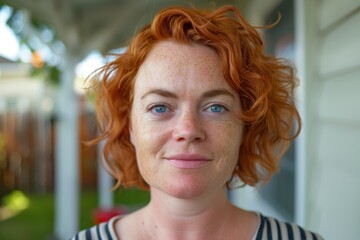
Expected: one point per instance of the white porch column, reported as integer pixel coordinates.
(67, 173)
(105, 183)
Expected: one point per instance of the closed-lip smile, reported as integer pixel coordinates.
(187, 161)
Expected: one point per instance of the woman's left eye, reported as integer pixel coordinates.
(216, 108)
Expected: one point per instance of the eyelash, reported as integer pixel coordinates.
(166, 109)
(154, 107)
(223, 108)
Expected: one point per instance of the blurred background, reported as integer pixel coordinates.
(50, 182)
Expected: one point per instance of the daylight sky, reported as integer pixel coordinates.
(9, 45)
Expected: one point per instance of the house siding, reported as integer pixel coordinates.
(334, 141)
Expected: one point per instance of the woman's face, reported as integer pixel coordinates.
(183, 123)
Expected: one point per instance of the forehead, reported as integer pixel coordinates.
(171, 61)
(171, 52)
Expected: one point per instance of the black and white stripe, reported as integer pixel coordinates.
(273, 229)
(269, 229)
(103, 231)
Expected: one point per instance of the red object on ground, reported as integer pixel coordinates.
(105, 214)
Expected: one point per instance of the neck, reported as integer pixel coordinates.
(167, 217)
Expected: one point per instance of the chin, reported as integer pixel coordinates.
(185, 192)
(185, 189)
(185, 186)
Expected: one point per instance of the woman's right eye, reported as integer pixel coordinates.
(159, 109)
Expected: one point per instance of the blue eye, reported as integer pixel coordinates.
(159, 109)
(216, 108)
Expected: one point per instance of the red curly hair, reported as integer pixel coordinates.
(265, 85)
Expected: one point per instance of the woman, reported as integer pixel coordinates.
(192, 104)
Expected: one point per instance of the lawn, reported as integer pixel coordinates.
(37, 221)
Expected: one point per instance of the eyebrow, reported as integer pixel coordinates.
(160, 92)
(169, 94)
(217, 92)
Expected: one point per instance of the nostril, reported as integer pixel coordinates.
(181, 139)
(189, 136)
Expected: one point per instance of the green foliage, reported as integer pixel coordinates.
(37, 221)
(50, 73)
(16, 201)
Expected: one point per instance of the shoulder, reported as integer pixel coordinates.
(273, 229)
(98, 232)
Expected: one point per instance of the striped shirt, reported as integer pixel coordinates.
(273, 229)
(269, 229)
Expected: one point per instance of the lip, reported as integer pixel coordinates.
(187, 161)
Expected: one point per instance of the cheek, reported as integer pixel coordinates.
(227, 139)
(148, 139)
(142, 130)
(229, 133)
(149, 136)
(150, 142)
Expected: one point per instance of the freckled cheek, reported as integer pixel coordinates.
(149, 139)
(227, 140)
(149, 150)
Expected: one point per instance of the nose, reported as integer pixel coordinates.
(188, 128)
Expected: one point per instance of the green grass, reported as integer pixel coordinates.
(37, 221)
